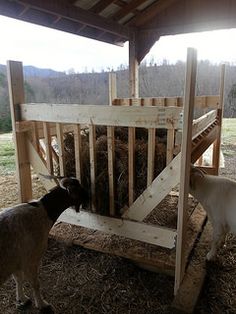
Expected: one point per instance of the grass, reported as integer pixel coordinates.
(7, 154)
(7, 150)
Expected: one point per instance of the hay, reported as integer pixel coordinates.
(121, 164)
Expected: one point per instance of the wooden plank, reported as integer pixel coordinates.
(160, 236)
(190, 289)
(203, 122)
(170, 145)
(16, 95)
(190, 82)
(111, 147)
(92, 159)
(217, 143)
(155, 193)
(134, 94)
(78, 148)
(60, 142)
(39, 166)
(48, 150)
(151, 155)
(130, 116)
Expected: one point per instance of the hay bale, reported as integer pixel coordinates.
(121, 164)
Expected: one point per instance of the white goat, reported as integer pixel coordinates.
(24, 230)
(218, 197)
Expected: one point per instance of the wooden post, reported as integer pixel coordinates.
(111, 146)
(17, 97)
(134, 93)
(92, 158)
(217, 143)
(190, 81)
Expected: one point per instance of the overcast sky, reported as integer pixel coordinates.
(47, 48)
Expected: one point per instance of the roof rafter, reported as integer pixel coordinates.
(151, 12)
(101, 5)
(129, 7)
(74, 13)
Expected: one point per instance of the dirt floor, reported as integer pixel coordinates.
(76, 280)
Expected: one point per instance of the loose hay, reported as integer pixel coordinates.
(120, 167)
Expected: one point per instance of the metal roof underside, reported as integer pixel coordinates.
(115, 21)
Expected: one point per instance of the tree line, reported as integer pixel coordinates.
(165, 80)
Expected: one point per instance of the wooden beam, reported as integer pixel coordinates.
(39, 166)
(132, 116)
(170, 145)
(151, 12)
(134, 93)
(16, 95)
(161, 236)
(190, 82)
(217, 143)
(111, 147)
(92, 159)
(128, 8)
(100, 6)
(73, 13)
(154, 194)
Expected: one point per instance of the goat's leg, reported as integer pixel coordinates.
(34, 281)
(218, 238)
(22, 301)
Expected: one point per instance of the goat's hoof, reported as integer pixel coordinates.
(48, 309)
(21, 306)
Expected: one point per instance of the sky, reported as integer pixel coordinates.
(47, 48)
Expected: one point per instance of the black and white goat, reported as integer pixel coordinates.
(218, 197)
(24, 230)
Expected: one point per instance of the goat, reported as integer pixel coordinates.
(218, 197)
(24, 230)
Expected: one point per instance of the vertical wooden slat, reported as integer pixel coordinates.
(92, 157)
(151, 148)
(111, 147)
(77, 143)
(35, 136)
(217, 143)
(60, 142)
(134, 93)
(190, 81)
(170, 145)
(47, 142)
(16, 95)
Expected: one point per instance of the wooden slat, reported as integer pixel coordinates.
(39, 166)
(35, 137)
(203, 122)
(190, 82)
(130, 116)
(131, 163)
(78, 147)
(92, 158)
(154, 194)
(16, 95)
(217, 143)
(170, 145)
(134, 230)
(60, 142)
(47, 141)
(111, 147)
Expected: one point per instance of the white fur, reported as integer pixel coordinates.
(218, 197)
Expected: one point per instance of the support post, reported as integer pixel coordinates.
(190, 81)
(111, 147)
(17, 97)
(134, 93)
(217, 143)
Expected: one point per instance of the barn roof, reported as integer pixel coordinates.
(115, 21)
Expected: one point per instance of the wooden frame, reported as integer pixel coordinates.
(186, 142)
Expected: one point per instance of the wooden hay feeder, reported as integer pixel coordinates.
(37, 126)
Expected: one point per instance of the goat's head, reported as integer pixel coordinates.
(78, 195)
(195, 174)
